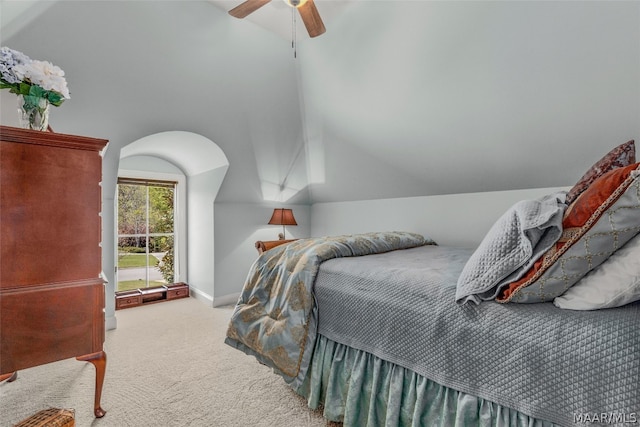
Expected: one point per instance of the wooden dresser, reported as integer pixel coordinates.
(51, 292)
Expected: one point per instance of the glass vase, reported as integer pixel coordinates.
(33, 112)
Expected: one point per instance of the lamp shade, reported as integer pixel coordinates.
(282, 217)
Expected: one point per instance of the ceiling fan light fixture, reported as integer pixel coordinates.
(295, 3)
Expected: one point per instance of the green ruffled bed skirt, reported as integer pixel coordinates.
(360, 389)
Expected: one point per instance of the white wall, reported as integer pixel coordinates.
(204, 165)
(459, 220)
(200, 216)
(450, 97)
(416, 88)
(237, 227)
(148, 164)
(8, 109)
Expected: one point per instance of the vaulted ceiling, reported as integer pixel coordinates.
(397, 98)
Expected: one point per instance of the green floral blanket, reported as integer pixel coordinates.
(276, 316)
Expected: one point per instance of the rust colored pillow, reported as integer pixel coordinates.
(621, 156)
(601, 220)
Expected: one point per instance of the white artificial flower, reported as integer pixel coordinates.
(44, 74)
(49, 77)
(17, 68)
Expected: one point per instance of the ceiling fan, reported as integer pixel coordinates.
(308, 13)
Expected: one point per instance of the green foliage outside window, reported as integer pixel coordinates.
(132, 220)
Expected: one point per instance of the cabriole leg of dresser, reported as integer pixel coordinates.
(99, 360)
(9, 377)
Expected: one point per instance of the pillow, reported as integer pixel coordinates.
(621, 156)
(519, 237)
(613, 283)
(600, 221)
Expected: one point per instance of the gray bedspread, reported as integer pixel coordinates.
(546, 362)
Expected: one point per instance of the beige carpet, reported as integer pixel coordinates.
(167, 365)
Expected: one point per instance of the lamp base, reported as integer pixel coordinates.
(280, 236)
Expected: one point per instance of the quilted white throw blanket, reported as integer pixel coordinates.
(516, 241)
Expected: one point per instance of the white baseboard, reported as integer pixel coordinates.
(110, 322)
(230, 299)
(201, 296)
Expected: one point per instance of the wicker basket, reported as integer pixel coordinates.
(52, 417)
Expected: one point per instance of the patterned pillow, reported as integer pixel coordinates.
(603, 218)
(621, 156)
(614, 283)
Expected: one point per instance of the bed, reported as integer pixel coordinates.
(537, 326)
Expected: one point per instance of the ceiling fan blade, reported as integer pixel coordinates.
(311, 18)
(249, 6)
